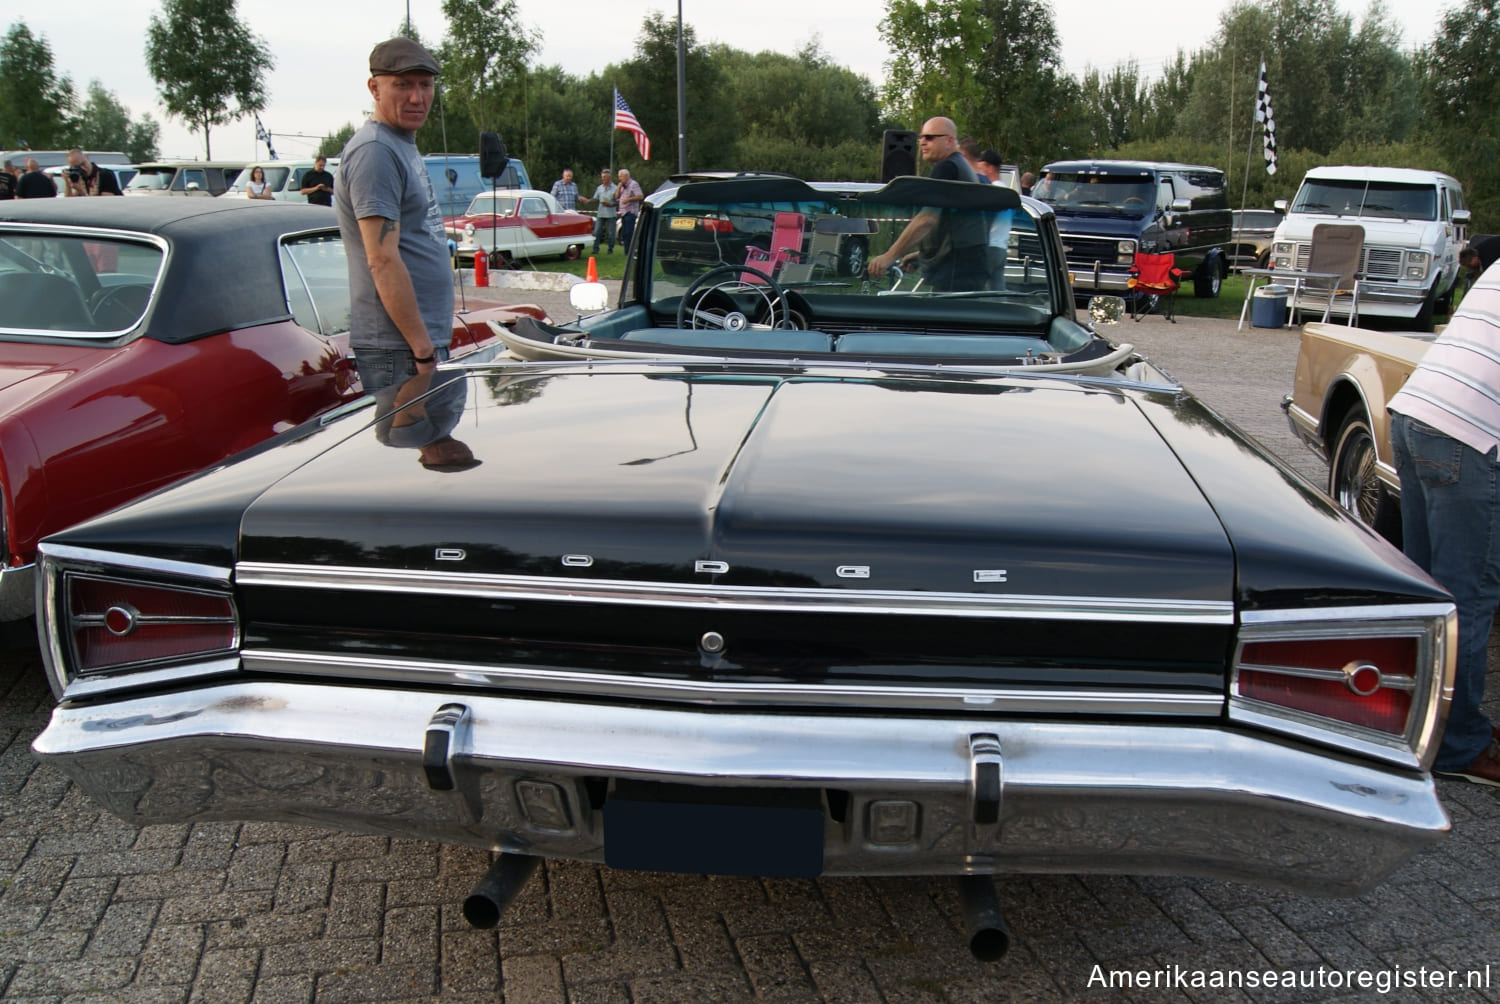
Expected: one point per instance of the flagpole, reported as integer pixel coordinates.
(614, 102)
(1249, 152)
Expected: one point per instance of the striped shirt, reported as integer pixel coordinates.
(1456, 387)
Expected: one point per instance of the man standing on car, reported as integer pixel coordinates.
(317, 184)
(87, 178)
(629, 198)
(400, 280)
(950, 244)
(1445, 433)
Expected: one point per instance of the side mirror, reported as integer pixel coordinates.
(1280, 206)
(192, 186)
(1106, 309)
(1461, 217)
(589, 297)
(1181, 205)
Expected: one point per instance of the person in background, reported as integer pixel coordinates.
(34, 184)
(1027, 180)
(629, 198)
(565, 192)
(400, 274)
(604, 220)
(317, 184)
(256, 187)
(8, 181)
(1445, 434)
(950, 246)
(83, 177)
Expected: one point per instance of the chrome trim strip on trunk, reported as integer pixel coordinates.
(115, 561)
(706, 596)
(973, 700)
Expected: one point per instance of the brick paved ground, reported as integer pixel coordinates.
(95, 910)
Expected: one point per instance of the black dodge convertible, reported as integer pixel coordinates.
(774, 569)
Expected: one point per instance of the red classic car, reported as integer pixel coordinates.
(518, 223)
(142, 340)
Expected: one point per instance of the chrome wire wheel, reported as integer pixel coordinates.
(1352, 481)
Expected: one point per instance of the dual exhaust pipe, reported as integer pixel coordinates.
(984, 924)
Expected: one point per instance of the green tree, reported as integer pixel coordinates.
(484, 57)
(104, 124)
(993, 66)
(333, 144)
(35, 103)
(1460, 78)
(1115, 103)
(203, 57)
(145, 135)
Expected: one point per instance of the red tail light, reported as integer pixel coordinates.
(1372, 680)
(114, 623)
(718, 226)
(1366, 682)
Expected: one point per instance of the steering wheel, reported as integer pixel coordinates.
(1134, 200)
(119, 306)
(734, 320)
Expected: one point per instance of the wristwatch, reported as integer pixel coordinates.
(431, 357)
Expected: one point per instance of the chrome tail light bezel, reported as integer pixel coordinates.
(58, 565)
(1433, 627)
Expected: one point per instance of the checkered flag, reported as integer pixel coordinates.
(1263, 115)
(265, 137)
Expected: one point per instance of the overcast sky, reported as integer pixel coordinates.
(321, 48)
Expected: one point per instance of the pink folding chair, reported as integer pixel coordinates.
(786, 245)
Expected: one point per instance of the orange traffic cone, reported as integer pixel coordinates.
(481, 268)
(592, 275)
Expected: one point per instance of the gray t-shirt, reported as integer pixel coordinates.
(382, 174)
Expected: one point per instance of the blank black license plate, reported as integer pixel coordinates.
(702, 831)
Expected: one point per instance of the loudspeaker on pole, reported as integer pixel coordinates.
(898, 154)
(492, 155)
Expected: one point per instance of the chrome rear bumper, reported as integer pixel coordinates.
(899, 795)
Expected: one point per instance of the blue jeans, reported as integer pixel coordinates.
(380, 368)
(604, 231)
(1450, 525)
(627, 230)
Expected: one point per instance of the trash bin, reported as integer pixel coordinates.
(1268, 307)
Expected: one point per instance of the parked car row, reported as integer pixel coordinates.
(714, 586)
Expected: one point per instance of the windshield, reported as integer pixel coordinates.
(151, 179)
(1134, 195)
(487, 205)
(70, 284)
(821, 251)
(1388, 200)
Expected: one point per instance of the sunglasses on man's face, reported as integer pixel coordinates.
(928, 137)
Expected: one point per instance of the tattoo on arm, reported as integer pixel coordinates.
(386, 227)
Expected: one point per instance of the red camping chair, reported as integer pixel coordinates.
(786, 245)
(1154, 281)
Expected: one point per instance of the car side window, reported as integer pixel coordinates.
(533, 207)
(315, 275)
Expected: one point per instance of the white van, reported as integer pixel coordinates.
(1415, 224)
(283, 176)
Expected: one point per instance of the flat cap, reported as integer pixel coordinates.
(401, 55)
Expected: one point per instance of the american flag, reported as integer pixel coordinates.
(1263, 114)
(264, 137)
(624, 119)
